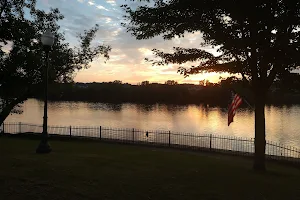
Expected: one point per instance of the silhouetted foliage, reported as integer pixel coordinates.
(145, 93)
(258, 39)
(117, 82)
(217, 94)
(145, 83)
(21, 68)
(171, 82)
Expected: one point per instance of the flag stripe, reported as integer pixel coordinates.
(236, 102)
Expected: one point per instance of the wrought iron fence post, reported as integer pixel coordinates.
(169, 138)
(100, 133)
(70, 131)
(20, 124)
(133, 135)
(2, 132)
(210, 140)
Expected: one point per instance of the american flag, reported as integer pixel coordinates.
(236, 102)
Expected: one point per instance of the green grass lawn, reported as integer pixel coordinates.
(92, 170)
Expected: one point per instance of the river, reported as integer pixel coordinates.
(282, 123)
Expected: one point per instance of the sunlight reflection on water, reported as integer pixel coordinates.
(282, 123)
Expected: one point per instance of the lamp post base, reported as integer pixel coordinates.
(43, 148)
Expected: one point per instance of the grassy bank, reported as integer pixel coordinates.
(92, 170)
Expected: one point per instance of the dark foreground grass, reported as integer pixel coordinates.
(92, 170)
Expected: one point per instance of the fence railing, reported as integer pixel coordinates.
(228, 144)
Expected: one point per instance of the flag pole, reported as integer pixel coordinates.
(244, 99)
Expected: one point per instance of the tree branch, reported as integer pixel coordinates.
(11, 105)
(241, 64)
(2, 9)
(271, 77)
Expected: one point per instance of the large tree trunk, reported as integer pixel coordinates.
(260, 131)
(6, 110)
(4, 114)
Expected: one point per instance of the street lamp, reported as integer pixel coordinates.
(47, 41)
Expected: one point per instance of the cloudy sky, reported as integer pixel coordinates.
(127, 57)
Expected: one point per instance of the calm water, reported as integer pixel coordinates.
(282, 123)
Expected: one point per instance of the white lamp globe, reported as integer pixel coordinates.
(47, 38)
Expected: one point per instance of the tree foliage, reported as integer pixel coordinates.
(145, 93)
(259, 39)
(171, 82)
(21, 68)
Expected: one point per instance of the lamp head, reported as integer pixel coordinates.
(47, 38)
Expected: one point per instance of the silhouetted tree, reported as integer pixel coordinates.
(145, 83)
(202, 82)
(208, 83)
(171, 82)
(117, 82)
(259, 39)
(216, 95)
(21, 67)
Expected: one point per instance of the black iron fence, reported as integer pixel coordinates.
(228, 144)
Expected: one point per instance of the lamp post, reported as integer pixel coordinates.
(47, 41)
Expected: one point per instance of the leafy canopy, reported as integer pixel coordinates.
(258, 39)
(21, 68)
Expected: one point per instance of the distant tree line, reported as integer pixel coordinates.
(215, 94)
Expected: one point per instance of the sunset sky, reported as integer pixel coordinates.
(127, 57)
